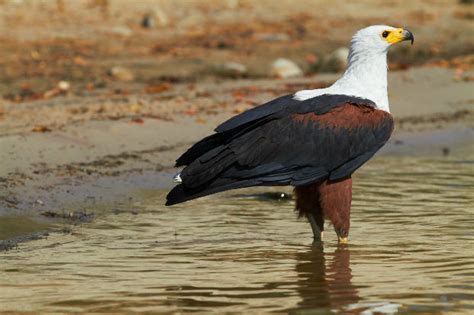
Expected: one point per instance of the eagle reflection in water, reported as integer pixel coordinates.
(324, 279)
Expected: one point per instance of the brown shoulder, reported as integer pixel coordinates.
(348, 116)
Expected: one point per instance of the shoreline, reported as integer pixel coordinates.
(101, 158)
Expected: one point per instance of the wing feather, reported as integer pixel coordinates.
(277, 145)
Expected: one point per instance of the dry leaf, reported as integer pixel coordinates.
(40, 129)
(78, 60)
(157, 88)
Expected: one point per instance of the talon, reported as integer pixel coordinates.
(343, 240)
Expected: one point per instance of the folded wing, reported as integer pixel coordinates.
(327, 137)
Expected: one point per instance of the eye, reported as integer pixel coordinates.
(385, 34)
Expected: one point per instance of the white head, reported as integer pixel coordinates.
(366, 73)
(376, 40)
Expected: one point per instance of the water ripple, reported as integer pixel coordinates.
(411, 251)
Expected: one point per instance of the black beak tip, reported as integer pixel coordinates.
(409, 36)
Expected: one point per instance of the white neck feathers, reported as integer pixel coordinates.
(365, 77)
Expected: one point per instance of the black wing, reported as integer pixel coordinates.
(327, 137)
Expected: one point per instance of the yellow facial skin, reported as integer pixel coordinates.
(394, 36)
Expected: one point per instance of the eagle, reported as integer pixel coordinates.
(313, 140)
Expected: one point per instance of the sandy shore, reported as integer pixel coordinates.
(87, 158)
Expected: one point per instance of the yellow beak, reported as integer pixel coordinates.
(399, 35)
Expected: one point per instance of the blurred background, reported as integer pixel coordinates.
(91, 45)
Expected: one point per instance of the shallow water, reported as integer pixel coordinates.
(411, 250)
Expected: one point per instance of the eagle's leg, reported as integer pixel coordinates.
(317, 231)
(307, 205)
(335, 200)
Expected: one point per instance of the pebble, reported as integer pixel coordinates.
(157, 17)
(231, 69)
(161, 17)
(64, 86)
(121, 73)
(148, 21)
(285, 68)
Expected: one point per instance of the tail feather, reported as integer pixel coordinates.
(212, 165)
(201, 147)
(181, 194)
(213, 141)
(200, 174)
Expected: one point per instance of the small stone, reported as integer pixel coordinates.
(231, 69)
(337, 60)
(121, 73)
(136, 108)
(35, 55)
(148, 21)
(285, 68)
(64, 86)
(161, 17)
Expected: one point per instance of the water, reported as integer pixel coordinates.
(411, 251)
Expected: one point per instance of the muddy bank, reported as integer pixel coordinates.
(86, 156)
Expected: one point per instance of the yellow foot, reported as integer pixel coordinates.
(343, 240)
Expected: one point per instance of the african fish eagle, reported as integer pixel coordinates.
(313, 140)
